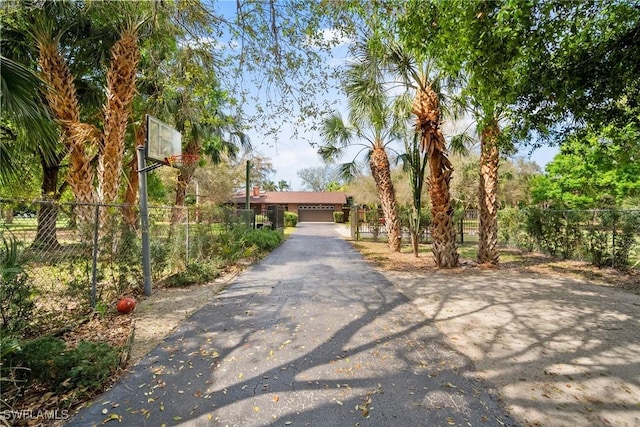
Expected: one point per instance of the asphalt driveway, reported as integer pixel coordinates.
(310, 336)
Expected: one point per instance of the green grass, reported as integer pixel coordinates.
(29, 224)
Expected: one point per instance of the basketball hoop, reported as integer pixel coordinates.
(181, 160)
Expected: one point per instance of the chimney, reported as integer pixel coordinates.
(256, 191)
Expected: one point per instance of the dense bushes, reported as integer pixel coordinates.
(604, 237)
(290, 219)
(48, 361)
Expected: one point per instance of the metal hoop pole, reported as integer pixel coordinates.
(144, 221)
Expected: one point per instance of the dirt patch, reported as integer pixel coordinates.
(558, 339)
(161, 313)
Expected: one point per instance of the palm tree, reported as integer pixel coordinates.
(218, 142)
(197, 110)
(387, 65)
(487, 193)
(372, 129)
(121, 88)
(283, 185)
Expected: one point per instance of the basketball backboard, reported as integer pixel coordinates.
(163, 141)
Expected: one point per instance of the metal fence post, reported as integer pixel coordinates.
(186, 251)
(613, 241)
(94, 266)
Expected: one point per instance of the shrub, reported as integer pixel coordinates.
(41, 356)
(555, 231)
(338, 216)
(612, 239)
(290, 219)
(263, 239)
(11, 376)
(16, 290)
(195, 272)
(88, 365)
(512, 223)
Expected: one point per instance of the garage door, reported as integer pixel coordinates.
(315, 213)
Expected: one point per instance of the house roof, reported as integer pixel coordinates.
(299, 197)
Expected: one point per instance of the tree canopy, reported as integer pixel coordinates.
(599, 170)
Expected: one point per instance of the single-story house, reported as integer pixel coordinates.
(311, 206)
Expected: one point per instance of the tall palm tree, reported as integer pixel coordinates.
(487, 192)
(121, 88)
(388, 65)
(218, 142)
(373, 130)
(427, 110)
(283, 185)
(197, 111)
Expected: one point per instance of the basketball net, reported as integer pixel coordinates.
(181, 160)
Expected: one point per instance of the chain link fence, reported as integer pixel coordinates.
(604, 237)
(78, 254)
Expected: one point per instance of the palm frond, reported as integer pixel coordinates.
(21, 104)
(348, 171)
(460, 143)
(330, 153)
(336, 131)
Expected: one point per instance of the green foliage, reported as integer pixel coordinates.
(16, 290)
(581, 67)
(612, 237)
(50, 362)
(595, 171)
(511, 228)
(88, 365)
(194, 273)
(607, 237)
(556, 232)
(263, 239)
(407, 215)
(42, 357)
(290, 219)
(120, 246)
(231, 244)
(338, 217)
(159, 251)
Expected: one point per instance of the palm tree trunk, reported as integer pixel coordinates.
(46, 237)
(62, 98)
(442, 229)
(488, 201)
(184, 179)
(381, 172)
(128, 212)
(426, 107)
(121, 80)
(177, 212)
